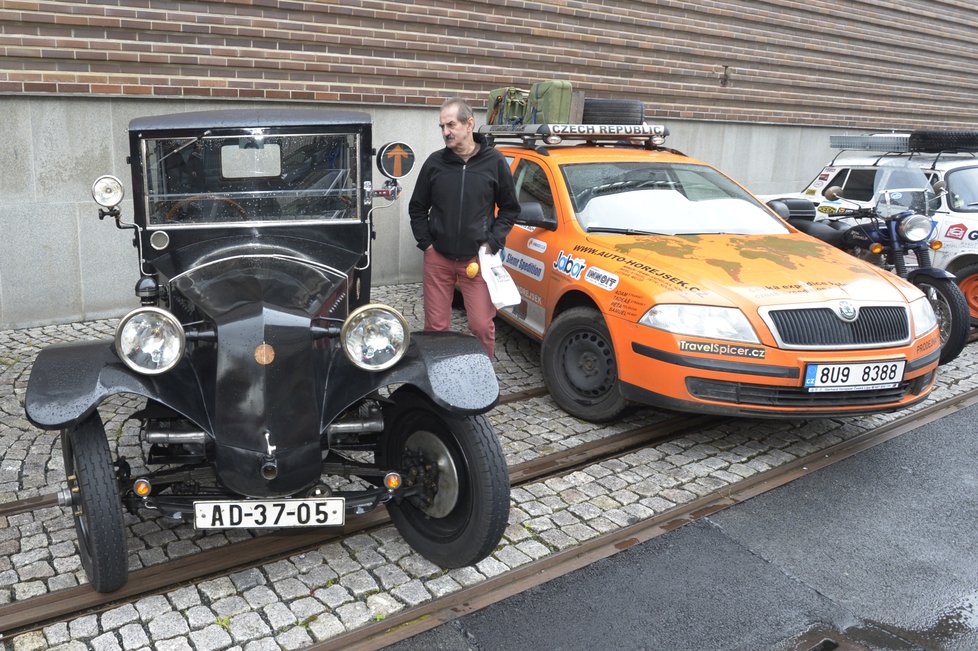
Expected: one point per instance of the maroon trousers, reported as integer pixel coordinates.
(441, 274)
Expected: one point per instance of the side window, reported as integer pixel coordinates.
(532, 185)
(860, 184)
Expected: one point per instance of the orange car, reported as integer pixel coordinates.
(651, 277)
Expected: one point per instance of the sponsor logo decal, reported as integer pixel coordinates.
(536, 245)
(603, 279)
(529, 229)
(631, 263)
(712, 348)
(566, 264)
(956, 231)
(532, 297)
(523, 264)
(927, 345)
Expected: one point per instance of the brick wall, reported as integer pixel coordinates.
(843, 63)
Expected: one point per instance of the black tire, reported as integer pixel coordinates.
(613, 111)
(96, 507)
(579, 366)
(951, 308)
(464, 507)
(967, 279)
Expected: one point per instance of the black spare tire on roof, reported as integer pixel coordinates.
(613, 111)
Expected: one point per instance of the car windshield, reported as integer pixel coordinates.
(664, 199)
(962, 189)
(247, 179)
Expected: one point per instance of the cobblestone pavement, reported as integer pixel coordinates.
(314, 596)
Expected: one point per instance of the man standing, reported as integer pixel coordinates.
(453, 212)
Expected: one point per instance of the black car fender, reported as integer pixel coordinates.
(930, 272)
(450, 368)
(68, 381)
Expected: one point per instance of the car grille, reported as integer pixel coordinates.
(819, 326)
(769, 396)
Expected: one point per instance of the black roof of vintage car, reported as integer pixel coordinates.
(244, 118)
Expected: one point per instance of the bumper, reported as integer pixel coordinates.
(745, 382)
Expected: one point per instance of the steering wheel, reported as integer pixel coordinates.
(180, 205)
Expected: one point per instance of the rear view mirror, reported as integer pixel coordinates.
(532, 214)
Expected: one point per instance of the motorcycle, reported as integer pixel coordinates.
(894, 234)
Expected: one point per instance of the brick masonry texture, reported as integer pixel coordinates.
(866, 64)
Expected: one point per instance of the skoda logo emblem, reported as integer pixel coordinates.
(847, 311)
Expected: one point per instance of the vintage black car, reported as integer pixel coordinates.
(267, 371)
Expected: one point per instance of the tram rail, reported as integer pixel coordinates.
(30, 614)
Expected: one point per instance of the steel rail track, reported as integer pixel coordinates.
(418, 619)
(30, 614)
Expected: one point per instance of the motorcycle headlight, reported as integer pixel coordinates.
(107, 191)
(706, 321)
(150, 340)
(924, 319)
(915, 229)
(374, 337)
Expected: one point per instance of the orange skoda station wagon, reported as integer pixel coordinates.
(651, 277)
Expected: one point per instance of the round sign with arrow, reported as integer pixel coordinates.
(395, 160)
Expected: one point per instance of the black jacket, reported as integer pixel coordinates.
(454, 202)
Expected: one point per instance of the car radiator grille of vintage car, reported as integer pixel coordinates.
(820, 326)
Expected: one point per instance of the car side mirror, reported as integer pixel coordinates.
(780, 208)
(833, 193)
(532, 214)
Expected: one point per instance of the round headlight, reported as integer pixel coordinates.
(915, 229)
(150, 340)
(374, 337)
(107, 191)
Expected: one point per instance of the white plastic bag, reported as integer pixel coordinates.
(502, 289)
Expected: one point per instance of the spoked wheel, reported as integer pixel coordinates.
(968, 284)
(951, 308)
(454, 469)
(96, 507)
(579, 366)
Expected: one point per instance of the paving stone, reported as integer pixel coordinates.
(383, 605)
(167, 625)
(325, 626)
(260, 595)
(419, 566)
(230, 606)
(174, 644)
(280, 570)
(56, 633)
(106, 642)
(412, 593)
(390, 576)
(247, 579)
(263, 644)
(306, 608)
(333, 596)
(211, 638)
(280, 617)
(441, 586)
(118, 617)
(294, 638)
(83, 628)
(152, 607)
(353, 614)
(133, 636)
(318, 577)
(33, 641)
(199, 616)
(291, 588)
(248, 626)
(216, 588)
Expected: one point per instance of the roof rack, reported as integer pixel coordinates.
(530, 135)
(921, 141)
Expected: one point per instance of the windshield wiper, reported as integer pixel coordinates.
(620, 231)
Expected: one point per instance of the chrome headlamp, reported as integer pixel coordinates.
(924, 319)
(707, 321)
(150, 340)
(915, 229)
(374, 337)
(108, 191)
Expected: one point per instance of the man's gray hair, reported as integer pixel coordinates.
(464, 110)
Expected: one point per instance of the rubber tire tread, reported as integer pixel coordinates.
(960, 316)
(613, 111)
(104, 554)
(961, 276)
(608, 408)
(478, 441)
